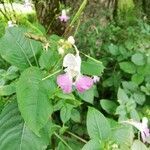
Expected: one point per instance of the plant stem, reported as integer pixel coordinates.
(62, 140)
(76, 136)
(51, 74)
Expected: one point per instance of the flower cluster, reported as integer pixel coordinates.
(142, 127)
(65, 44)
(72, 76)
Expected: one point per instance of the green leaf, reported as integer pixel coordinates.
(93, 145)
(97, 67)
(18, 50)
(134, 115)
(11, 73)
(128, 67)
(122, 96)
(15, 135)
(138, 145)
(68, 98)
(65, 113)
(123, 135)
(137, 78)
(113, 49)
(97, 125)
(48, 59)
(138, 59)
(87, 96)
(7, 89)
(108, 106)
(139, 97)
(32, 97)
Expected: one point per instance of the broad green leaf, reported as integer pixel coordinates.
(138, 59)
(48, 59)
(108, 106)
(138, 145)
(122, 96)
(128, 67)
(18, 50)
(65, 112)
(7, 89)
(32, 97)
(93, 145)
(14, 134)
(92, 67)
(97, 125)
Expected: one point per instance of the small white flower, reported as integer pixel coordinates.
(71, 40)
(96, 79)
(61, 51)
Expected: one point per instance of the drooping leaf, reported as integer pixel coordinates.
(14, 134)
(97, 125)
(32, 99)
(18, 50)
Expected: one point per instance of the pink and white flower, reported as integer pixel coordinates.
(141, 126)
(73, 76)
(64, 17)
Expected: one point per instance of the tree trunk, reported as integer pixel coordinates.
(47, 13)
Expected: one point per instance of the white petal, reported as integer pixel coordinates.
(72, 64)
(63, 12)
(136, 124)
(71, 40)
(69, 61)
(96, 79)
(61, 51)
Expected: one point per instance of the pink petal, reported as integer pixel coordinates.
(65, 83)
(63, 18)
(143, 136)
(84, 83)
